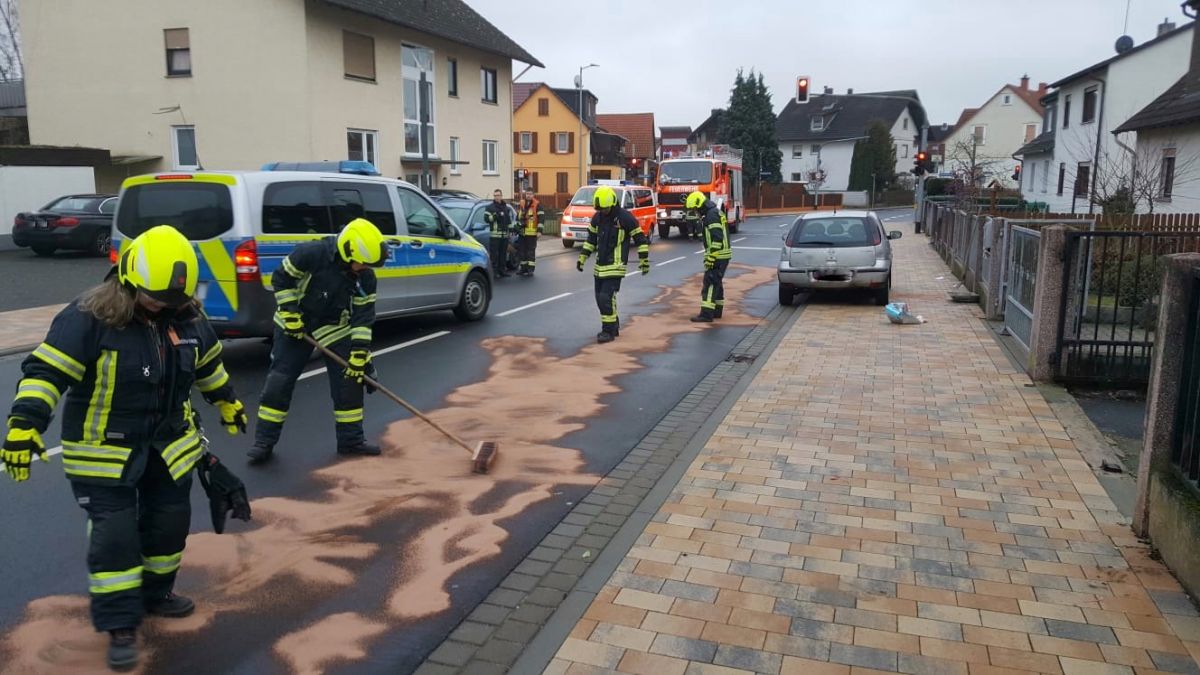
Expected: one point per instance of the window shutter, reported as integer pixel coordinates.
(533, 145)
(533, 176)
(570, 142)
(177, 38)
(516, 142)
(543, 107)
(358, 55)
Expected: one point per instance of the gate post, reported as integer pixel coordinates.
(1048, 302)
(997, 259)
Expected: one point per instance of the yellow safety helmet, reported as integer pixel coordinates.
(361, 242)
(695, 200)
(161, 263)
(605, 197)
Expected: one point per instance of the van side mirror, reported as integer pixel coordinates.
(895, 234)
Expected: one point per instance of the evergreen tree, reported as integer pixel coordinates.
(749, 124)
(876, 154)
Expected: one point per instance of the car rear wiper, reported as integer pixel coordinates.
(814, 243)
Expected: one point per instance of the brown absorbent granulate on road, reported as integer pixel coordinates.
(339, 637)
(529, 399)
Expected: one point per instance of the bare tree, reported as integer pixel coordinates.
(12, 64)
(1135, 178)
(973, 170)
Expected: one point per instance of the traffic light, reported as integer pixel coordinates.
(920, 163)
(802, 89)
(1017, 173)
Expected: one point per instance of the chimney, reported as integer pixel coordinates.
(1025, 82)
(1042, 87)
(849, 91)
(829, 90)
(1166, 26)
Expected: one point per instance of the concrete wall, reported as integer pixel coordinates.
(29, 188)
(1004, 134)
(834, 159)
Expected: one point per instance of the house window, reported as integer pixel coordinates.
(1062, 177)
(797, 151)
(454, 145)
(816, 149)
(489, 157)
(562, 143)
(358, 56)
(1032, 175)
(979, 134)
(1030, 132)
(1083, 174)
(797, 177)
(452, 77)
(1066, 111)
(904, 150)
(1089, 105)
(416, 61)
(1045, 175)
(533, 181)
(1167, 179)
(561, 182)
(361, 145)
(183, 142)
(816, 123)
(487, 79)
(179, 52)
(905, 124)
(543, 107)
(1008, 99)
(526, 142)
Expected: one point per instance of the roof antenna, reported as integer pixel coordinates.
(1125, 28)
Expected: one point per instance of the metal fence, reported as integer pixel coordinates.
(1021, 283)
(1111, 283)
(1185, 446)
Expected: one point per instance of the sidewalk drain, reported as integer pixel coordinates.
(741, 358)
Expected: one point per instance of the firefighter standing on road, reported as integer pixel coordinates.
(500, 223)
(609, 234)
(531, 220)
(325, 288)
(717, 255)
(125, 356)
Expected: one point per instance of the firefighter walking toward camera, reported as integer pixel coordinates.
(326, 289)
(609, 236)
(499, 222)
(717, 255)
(124, 358)
(532, 219)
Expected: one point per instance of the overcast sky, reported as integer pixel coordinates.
(678, 59)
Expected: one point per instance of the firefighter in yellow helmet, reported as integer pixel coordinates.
(609, 236)
(326, 289)
(717, 255)
(123, 358)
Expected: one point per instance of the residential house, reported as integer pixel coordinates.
(674, 142)
(985, 138)
(705, 135)
(1087, 163)
(550, 137)
(935, 144)
(817, 137)
(1038, 176)
(1165, 160)
(638, 131)
(226, 84)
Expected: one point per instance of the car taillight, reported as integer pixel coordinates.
(245, 260)
(173, 176)
(18, 220)
(112, 253)
(66, 222)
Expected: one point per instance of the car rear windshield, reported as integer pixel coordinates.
(198, 210)
(84, 204)
(459, 214)
(835, 232)
(685, 172)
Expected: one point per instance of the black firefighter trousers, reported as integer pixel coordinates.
(288, 357)
(498, 252)
(712, 294)
(527, 247)
(136, 535)
(606, 299)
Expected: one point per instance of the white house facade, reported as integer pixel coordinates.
(987, 137)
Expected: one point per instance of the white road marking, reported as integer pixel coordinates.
(386, 350)
(737, 240)
(667, 262)
(756, 248)
(534, 304)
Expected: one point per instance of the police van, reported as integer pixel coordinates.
(243, 224)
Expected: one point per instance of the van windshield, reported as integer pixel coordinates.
(198, 210)
(834, 233)
(685, 172)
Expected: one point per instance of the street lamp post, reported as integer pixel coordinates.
(579, 86)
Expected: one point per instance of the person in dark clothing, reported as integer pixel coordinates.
(609, 235)
(124, 358)
(325, 288)
(531, 221)
(500, 224)
(717, 254)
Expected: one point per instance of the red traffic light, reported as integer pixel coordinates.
(802, 89)
(922, 156)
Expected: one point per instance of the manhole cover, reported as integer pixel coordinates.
(740, 358)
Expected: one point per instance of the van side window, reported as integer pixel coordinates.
(422, 218)
(295, 208)
(627, 200)
(362, 200)
(643, 198)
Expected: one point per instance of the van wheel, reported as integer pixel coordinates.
(787, 294)
(476, 296)
(568, 243)
(664, 231)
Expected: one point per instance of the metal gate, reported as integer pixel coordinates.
(1185, 447)
(1111, 282)
(1020, 284)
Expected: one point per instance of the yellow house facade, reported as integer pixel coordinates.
(547, 142)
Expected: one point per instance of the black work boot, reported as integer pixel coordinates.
(605, 336)
(364, 448)
(259, 453)
(718, 311)
(122, 649)
(703, 317)
(171, 606)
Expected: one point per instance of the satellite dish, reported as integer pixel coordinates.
(1124, 44)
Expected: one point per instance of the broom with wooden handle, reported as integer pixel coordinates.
(483, 455)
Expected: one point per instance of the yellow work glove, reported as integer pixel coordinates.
(359, 359)
(21, 443)
(293, 324)
(233, 416)
(709, 262)
(582, 260)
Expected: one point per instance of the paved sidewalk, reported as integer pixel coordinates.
(888, 498)
(22, 329)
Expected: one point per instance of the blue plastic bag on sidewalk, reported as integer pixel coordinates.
(897, 312)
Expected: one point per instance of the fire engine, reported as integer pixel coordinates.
(717, 172)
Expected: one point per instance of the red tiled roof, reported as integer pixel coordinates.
(1030, 96)
(522, 91)
(637, 128)
(967, 114)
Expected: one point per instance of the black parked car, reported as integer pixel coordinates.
(75, 222)
(468, 215)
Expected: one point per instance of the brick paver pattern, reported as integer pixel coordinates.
(888, 499)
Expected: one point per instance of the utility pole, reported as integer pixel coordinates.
(579, 86)
(920, 179)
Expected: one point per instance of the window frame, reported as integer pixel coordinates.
(543, 106)
(523, 147)
(1066, 111)
(364, 134)
(1166, 188)
(1030, 136)
(486, 144)
(1091, 98)
(565, 137)
(413, 73)
(483, 82)
(452, 77)
(1062, 178)
(1086, 169)
(816, 123)
(455, 148)
(797, 150)
(981, 138)
(345, 62)
(171, 51)
(175, 164)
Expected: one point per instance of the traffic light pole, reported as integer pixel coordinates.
(920, 196)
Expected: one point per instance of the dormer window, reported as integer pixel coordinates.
(816, 123)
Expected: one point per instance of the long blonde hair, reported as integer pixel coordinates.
(110, 302)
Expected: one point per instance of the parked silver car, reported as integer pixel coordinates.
(826, 250)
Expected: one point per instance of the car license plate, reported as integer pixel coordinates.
(584, 219)
(41, 224)
(201, 290)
